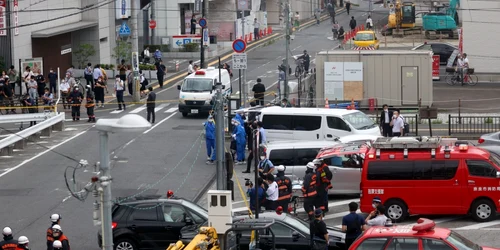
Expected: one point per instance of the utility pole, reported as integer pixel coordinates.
(153, 17)
(204, 14)
(370, 2)
(105, 179)
(136, 6)
(287, 46)
(256, 157)
(219, 132)
(245, 85)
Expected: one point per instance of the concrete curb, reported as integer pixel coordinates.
(205, 188)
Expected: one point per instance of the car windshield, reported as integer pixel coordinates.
(359, 121)
(199, 210)
(297, 224)
(197, 85)
(364, 37)
(424, 47)
(461, 243)
(495, 159)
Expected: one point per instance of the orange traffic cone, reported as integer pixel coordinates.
(250, 39)
(327, 106)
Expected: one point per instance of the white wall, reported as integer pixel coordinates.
(21, 44)
(481, 36)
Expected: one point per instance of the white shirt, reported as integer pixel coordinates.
(64, 86)
(460, 63)
(387, 118)
(146, 53)
(167, 217)
(466, 62)
(119, 85)
(190, 69)
(380, 220)
(26, 74)
(256, 25)
(398, 125)
(272, 192)
(143, 78)
(370, 21)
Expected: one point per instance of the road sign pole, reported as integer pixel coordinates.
(153, 17)
(135, 47)
(245, 85)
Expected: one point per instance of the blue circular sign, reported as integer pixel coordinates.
(203, 22)
(239, 46)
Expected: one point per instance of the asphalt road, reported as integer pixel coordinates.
(169, 156)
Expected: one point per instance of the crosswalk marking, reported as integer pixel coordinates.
(161, 106)
(116, 111)
(170, 110)
(139, 109)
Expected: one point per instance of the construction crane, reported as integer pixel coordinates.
(206, 239)
(443, 22)
(401, 18)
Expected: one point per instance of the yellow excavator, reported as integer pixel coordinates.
(401, 17)
(206, 239)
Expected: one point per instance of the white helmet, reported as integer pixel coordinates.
(23, 240)
(317, 161)
(57, 244)
(311, 165)
(56, 227)
(281, 168)
(7, 231)
(55, 217)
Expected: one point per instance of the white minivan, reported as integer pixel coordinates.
(315, 124)
(197, 90)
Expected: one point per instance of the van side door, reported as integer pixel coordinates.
(307, 128)
(335, 127)
(278, 127)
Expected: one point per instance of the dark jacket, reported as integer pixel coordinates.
(76, 98)
(8, 243)
(259, 90)
(382, 117)
(352, 23)
(160, 69)
(151, 101)
(307, 59)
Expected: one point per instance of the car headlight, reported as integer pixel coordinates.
(182, 101)
(207, 102)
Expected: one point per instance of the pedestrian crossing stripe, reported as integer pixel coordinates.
(170, 110)
(161, 107)
(116, 111)
(137, 110)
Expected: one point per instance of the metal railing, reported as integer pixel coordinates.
(473, 124)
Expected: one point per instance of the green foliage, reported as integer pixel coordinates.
(437, 121)
(122, 51)
(83, 53)
(162, 48)
(147, 66)
(107, 66)
(488, 120)
(191, 47)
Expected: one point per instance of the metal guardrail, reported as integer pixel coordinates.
(33, 117)
(22, 135)
(473, 124)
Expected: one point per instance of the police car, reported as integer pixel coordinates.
(420, 236)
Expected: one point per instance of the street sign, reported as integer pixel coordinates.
(202, 22)
(124, 30)
(239, 46)
(135, 61)
(197, 6)
(435, 67)
(152, 24)
(180, 40)
(240, 61)
(206, 38)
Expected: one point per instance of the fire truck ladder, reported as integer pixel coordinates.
(406, 143)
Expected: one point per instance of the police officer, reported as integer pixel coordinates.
(284, 187)
(323, 183)
(8, 243)
(22, 243)
(75, 98)
(57, 245)
(55, 219)
(309, 190)
(58, 235)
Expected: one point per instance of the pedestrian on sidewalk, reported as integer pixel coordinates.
(130, 80)
(119, 89)
(296, 20)
(258, 92)
(76, 98)
(320, 233)
(99, 88)
(151, 105)
(369, 23)
(210, 139)
(265, 165)
(53, 81)
(97, 73)
(190, 67)
(250, 129)
(353, 225)
(90, 104)
(228, 68)
(352, 23)
(122, 68)
(335, 30)
(161, 70)
(193, 24)
(256, 29)
(146, 55)
(348, 6)
(32, 88)
(144, 82)
(88, 74)
(317, 15)
(14, 79)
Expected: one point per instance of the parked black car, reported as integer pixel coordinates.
(152, 223)
(444, 50)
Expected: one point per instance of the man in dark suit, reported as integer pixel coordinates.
(385, 121)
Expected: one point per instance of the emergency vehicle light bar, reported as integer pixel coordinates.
(424, 225)
(200, 72)
(407, 143)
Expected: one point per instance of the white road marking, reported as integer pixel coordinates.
(480, 225)
(42, 153)
(162, 121)
(67, 198)
(128, 143)
(170, 110)
(116, 111)
(139, 109)
(161, 106)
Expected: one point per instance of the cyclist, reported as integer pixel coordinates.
(307, 60)
(335, 30)
(460, 68)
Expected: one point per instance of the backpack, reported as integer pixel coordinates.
(406, 128)
(354, 227)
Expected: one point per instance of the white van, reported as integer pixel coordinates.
(314, 124)
(197, 90)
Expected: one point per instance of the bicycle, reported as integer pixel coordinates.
(299, 70)
(453, 77)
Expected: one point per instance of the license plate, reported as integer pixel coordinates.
(194, 111)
